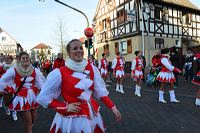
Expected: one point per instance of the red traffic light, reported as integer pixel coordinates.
(89, 32)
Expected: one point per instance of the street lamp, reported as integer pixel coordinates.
(74, 10)
(60, 2)
(148, 11)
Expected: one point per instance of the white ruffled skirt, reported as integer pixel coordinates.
(119, 74)
(24, 103)
(64, 124)
(103, 72)
(167, 77)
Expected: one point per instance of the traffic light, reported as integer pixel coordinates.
(88, 42)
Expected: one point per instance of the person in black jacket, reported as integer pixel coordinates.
(175, 60)
(143, 69)
(188, 64)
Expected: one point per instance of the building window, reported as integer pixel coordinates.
(100, 26)
(120, 16)
(106, 49)
(129, 45)
(116, 47)
(108, 22)
(159, 43)
(185, 17)
(177, 43)
(104, 24)
(123, 47)
(165, 14)
(3, 38)
(157, 13)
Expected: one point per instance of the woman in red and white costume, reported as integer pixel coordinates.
(25, 101)
(103, 67)
(8, 63)
(91, 60)
(78, 82)
(196, 79)
(136, 73)
(118, 71)
(166, 76)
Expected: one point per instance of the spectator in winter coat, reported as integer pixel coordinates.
(175, 60)
(59, 62)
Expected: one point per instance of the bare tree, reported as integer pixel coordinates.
(61, 35)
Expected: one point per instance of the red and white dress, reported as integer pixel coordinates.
(92, 62)
(166, 73)
(103, 67)
(3, 68)
(75, 86)
(118, 67)
(136, 67)
(26, 97)
(196, 79)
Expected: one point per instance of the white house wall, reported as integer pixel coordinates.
(8, 46)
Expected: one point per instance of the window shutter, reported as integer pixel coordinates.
(129, 45)
(116, 47)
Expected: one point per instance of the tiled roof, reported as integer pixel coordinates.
(41, 46)
(183, 3)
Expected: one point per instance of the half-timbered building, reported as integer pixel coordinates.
(146, 25)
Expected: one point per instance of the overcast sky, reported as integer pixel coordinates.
(31, 22)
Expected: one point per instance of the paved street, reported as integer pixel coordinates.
(139, 115)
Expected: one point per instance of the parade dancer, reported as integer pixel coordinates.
(6, 65)
(78, 82)
(137, 74)
(118, 71)
(196, 79)
(103, 67)
(25, 100)
(166, 76)
(91, 60)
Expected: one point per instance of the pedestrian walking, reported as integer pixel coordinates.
(77, 82)
(136, 73)
(166, 76)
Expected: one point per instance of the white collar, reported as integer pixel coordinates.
(6, 66)
(76, 66)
